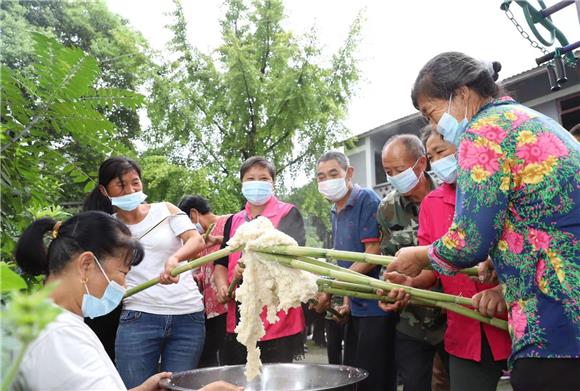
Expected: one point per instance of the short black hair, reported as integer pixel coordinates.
(198, 203)
(260, 162)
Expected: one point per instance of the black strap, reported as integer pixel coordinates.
(159, 223)
(228, 229)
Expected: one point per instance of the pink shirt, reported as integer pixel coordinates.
(204, 276)
(463, 335)
(288, 324)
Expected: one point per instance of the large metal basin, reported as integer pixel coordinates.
(275, 377)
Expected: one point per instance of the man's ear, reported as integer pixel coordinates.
(422, 164)
(349, 174)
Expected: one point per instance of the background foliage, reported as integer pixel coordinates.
(263, 92)
(43, 112)
(71, 72)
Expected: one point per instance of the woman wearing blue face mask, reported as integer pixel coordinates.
(517, 201)
(283, 340)
(164, 323)
(88, 257)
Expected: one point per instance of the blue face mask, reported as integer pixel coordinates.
(93, 307)
(405, 181)
(446, 169)
(198, 227)
(257, 192)
(129, 202)
(449, 128)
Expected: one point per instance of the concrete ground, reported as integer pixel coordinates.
(317, 355)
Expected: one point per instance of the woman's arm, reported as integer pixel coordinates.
(193, 243)
(220, 278)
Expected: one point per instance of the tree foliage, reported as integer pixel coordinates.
(166, 181)
(43, 112)
(262, 92)
(121, 53)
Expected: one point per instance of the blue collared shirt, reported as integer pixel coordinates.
(352, 227)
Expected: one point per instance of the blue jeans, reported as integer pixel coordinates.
(144, 340)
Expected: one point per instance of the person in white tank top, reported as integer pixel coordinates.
(163, 325)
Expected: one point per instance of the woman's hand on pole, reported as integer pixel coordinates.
(486, 272)
(166, 277)
(490, 302)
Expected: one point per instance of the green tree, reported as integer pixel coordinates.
(43, 112)
(263, 92)
(165, 181)
(122, 55)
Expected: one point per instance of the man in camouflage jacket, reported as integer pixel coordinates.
(420, 329)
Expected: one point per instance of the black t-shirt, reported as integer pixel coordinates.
(292, 225)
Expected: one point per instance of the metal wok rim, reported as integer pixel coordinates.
(364, 374)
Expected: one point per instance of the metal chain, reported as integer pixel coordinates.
(524, 34)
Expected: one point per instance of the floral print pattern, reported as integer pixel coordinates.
(518, 201)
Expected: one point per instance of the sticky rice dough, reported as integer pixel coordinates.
(266, 283)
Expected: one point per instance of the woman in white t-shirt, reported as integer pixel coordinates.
(88, 257)
(163, 325)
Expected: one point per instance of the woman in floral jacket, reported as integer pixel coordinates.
(518, 201)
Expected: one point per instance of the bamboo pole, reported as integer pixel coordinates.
(363, 295)
(347, 276)
(471, 313)
(349, 256)
(183, 268)
(335, 284)
(234, 283)
(467, 312)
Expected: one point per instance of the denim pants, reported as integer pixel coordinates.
(146, 340)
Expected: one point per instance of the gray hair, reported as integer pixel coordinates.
(426, 132)
(412, 143)
(447, 72)
(340, 157)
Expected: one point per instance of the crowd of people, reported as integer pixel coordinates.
(505, 195)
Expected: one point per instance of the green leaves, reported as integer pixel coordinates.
(262, 92)
(9, 279)
(24, 318)
(52, 118)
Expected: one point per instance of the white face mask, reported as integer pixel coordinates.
(446, 169)
(405, 181)
(333, 189)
